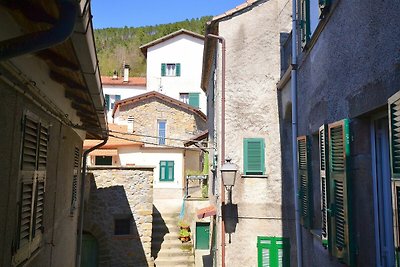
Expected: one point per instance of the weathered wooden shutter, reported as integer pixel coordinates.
(305, 32)
(194, 99)
(324, 183)
(74, 197)
(178, 69)
(32, 180)
(163, 69)
(253, 149)
(394, 137)
(339, 166)
(305, 181)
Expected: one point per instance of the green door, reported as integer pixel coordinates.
(202, 235)
(89, 251)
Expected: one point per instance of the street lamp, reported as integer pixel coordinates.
(228, 174)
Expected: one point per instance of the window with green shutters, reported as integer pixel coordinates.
(324, 182)
(194, 99)
(171, 69)
(339, 212)
(254, 156)
(32, 178)
(273, 251)
(394, 138)
(305, 192)
(167, 170)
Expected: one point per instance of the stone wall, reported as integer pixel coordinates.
(181, 123)
(119, 193)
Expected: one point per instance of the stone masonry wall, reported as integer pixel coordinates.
(181, 123)
(119, 193)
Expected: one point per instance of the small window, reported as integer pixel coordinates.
(161, 132)
(167, 170)
(103, 160)
(122, 226)
(273, 251)
(130, 124)
(253, 158)
(171, 69)
(110, 101)
(184, 97)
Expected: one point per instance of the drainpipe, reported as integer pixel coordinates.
(34, 42)
(222, 40)
(82, 202)
(293, 82)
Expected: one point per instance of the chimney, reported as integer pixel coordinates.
(115, 75)
(126, 73)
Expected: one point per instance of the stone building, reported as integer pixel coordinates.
(118, 216)
(252, 34)
(50, 85)
(348, 70)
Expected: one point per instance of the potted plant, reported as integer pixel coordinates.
(184, 225)
(184, 235)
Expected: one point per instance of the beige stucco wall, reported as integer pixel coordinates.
(252, 72)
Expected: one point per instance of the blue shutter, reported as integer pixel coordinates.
(161, 132)
(117, 98)
(194, 99)
(163, 69)
(253, 149)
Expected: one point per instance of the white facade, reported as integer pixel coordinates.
(183, 49)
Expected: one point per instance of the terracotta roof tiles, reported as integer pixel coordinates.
(132, 81)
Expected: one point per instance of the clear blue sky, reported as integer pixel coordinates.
(136, 13)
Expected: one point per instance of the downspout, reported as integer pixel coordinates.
(222, 40)
(82, 202)
(37, 41)
(293, 87)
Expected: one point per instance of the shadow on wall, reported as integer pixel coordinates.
(109, 219)
(159, 230)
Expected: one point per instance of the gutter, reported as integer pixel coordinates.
(222, 40)
(293, 88)
(82, 202)
(37, 41)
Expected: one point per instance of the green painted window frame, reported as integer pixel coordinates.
(167, 167)
(274, 245)
(247, 158)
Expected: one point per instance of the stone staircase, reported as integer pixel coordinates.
(166, 248)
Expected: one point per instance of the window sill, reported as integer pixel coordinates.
(254, 176)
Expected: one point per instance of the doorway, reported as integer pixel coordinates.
(89, 251)
(202, 235)
(382, 193)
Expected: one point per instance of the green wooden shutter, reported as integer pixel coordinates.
(74, 194)
(194, 99)
(178, 69)
(32, 180)
(163, 69)
(117, 98)
(273, 251)
(394, 137)
(170, 170)
(324, 182)
(305, 32)
(167, 170)
(339, 166)
(305, 181)
(107, 102)
(253, 149)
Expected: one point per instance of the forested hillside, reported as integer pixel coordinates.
(116, 45)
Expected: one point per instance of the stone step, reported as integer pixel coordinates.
(175, 261)
(172, 253)
(172, 244)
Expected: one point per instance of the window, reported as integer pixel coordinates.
(184, 97)
(167, 170)
(253, 150)
(74, 197)
(335, 191)
(32, 180)
(122, 226)
(194, 100)
(273, 251)
(305, 181)
(109, 101)
(103, 160)
(171, 69)
(311, 13)
(130, 124)
(161, 132)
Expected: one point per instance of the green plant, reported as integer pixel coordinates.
(184, 233)
(183, 224)
(204, 190)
